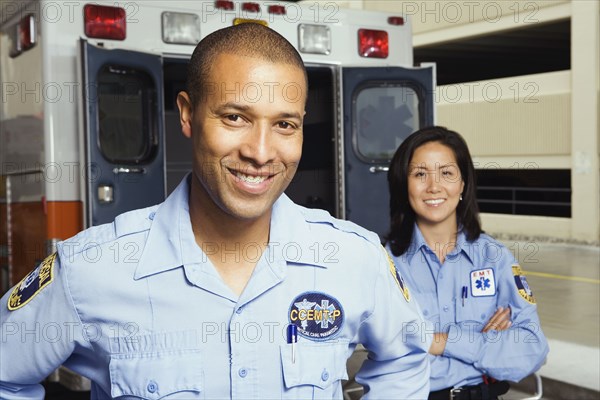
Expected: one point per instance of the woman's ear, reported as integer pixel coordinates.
(184, 103)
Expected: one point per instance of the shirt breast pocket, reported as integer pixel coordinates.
(475, 309)
(316, 370)
(150, 370)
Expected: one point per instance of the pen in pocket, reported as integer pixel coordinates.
(292, 338)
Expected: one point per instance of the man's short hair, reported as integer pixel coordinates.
(247, 39)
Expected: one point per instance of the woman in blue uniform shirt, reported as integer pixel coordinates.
(469, 286)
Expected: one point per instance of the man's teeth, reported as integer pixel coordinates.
(250, 178)
(433, 202)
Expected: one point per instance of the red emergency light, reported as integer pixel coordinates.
(277, 10)
(373, 43)
(27, 32)
(251, 7)
(23, 36)
(396, 20)
(224, 5)
(103, 22)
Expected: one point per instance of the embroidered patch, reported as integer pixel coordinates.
(522, 285)
(32, 284)
(398, 278)
(483, 282)
(317, 315)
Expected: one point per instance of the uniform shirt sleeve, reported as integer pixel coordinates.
(37, 337)
(447, 369)
(508, 355)
(397, 366)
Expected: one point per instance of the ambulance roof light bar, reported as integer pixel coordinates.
(104, 22)
(251, 7)
(373, 43)
(277, 9)
(224, 5)
(395, 21)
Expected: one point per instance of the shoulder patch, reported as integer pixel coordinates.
(397, 277)
(522, 285)
(32, 284)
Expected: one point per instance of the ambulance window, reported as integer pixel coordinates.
(126, 115)
(384, 117)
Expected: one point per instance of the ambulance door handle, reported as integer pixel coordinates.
(378, 168)
(132, 170)
(105, 194)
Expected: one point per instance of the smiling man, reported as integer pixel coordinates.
(228, 289)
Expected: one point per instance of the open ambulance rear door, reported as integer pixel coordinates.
(124, 131)
(382, 106)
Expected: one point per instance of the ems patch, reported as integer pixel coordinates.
(483, 282)
(522, 285)
(317, 315)
(32, 284)
(398, 278)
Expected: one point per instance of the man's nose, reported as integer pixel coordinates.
(258, 145)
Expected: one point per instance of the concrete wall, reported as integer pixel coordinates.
(547, 120)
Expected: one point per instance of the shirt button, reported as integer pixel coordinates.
(243, 372)
(239, 310)
(446, 308)
(324, 375)
(441, 276)
(482, 316)
(152, 387)
(151, 216)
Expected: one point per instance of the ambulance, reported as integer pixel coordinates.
(89, 124)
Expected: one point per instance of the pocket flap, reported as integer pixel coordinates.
(155, 375)
(315, 364)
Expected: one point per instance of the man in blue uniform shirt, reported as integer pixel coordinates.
(193, 298)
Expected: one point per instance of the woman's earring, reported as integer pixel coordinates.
(460, 198)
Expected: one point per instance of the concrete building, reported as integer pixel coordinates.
(520, 80)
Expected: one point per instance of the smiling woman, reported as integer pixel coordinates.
(469, 286)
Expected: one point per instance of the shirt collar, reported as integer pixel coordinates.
(418, 242)
(171, 243)
(463, 246)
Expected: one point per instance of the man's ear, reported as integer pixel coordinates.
(184, 103)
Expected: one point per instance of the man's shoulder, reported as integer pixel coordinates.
(125, 225)
(321, 222)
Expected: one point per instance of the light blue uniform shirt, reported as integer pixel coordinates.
(137, 307)
(491, 277)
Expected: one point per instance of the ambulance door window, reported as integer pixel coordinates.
(126, 97)
(385, 116)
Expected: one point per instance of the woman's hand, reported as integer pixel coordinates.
(439, 343)
(500, 321)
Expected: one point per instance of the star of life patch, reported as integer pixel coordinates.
(317, 315)
(483, 282)
(32, 284)
(397, 277)
(522, 285)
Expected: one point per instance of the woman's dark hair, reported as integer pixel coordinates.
(401, 214)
